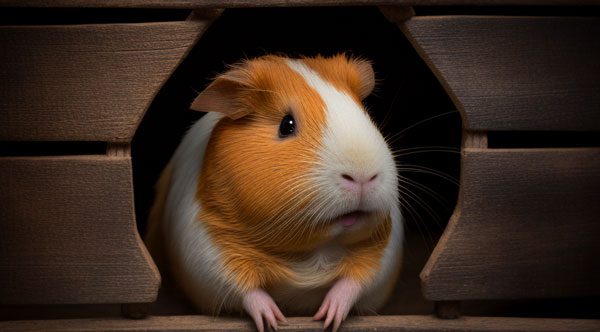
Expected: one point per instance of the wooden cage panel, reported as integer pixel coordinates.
(86, 82)
(405, 323)
(515, 73)
(67, 232)
(526, 226)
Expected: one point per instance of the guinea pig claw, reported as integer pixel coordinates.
(338, 302)
(261, 307)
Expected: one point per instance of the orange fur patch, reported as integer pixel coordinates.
(354, 77)
(251, 177)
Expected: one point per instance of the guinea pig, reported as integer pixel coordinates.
(282, 198)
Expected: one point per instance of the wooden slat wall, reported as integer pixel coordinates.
(527, 221)
(86, 82)
(68, 233)
(527, 225)
(278, 3)
(365, 323)
(515, 73)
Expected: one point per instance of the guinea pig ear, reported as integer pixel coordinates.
(366, 77)
(223, 95)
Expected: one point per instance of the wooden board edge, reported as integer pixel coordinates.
(439, 249)
(202, 19)
(362, 323)
(469, 140)
(406, 30)
(123, 151)
(141, 246)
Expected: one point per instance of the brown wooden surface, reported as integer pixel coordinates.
(365, 323)
(68, 233)
(265, 3)
(86, 82)
(515, 73)
(526, 226)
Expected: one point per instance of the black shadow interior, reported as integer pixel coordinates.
(409, 105)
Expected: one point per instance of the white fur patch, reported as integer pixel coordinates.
(352, 144)
(195, 260)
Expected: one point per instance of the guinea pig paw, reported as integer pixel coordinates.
(338, 302)
(259, 305)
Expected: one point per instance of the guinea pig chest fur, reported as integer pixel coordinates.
(283, 198)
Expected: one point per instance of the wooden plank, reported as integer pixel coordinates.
(86, 82)
(363, 323)
(189, 4)
(526, 226)
(515, 73)
(68, 233)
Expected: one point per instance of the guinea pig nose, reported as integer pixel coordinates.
(359, 179)
(348, 177)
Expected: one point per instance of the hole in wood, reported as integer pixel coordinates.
(508, 10)
(30, 149)
(542, 139)
(409, 105)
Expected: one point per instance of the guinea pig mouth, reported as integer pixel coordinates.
(349, 219)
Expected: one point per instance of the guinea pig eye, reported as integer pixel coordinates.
(287, 126)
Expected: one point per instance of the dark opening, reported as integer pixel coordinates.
(409, 105)
(30, 149)
(509, 10)
(543, 139)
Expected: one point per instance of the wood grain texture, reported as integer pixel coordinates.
(364, 323)
(526, 226)
(68, 233)
(515, 73)
(276, 3)
(86, 82)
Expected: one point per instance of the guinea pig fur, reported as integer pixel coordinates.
(283, 198)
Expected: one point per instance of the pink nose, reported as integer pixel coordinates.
(355, 182)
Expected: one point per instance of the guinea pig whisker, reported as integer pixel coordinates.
(411, 151)
(387, 114)
(427, 147)
(391, 139)
(285, 218)
(423, 188)
(316, 211)
(300, 184)
(418, 220)
(426, 207)
(409, 211)
(411, 168)
(430, 211)
(306, 189)
(323, 207)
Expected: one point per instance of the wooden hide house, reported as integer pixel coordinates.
(81, 80)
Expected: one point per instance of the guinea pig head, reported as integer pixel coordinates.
(296, 161)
